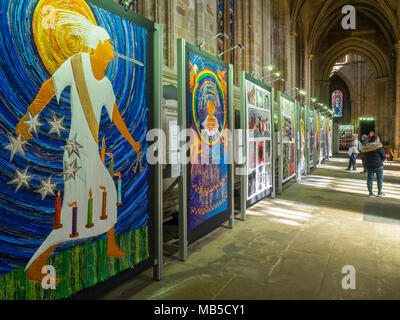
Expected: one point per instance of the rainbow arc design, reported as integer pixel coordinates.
(209, 87)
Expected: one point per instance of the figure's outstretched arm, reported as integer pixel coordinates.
(43, 98)
(123, 129)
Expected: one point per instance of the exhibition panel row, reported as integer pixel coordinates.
(81, 202)
(280, 144)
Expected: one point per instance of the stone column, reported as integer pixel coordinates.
(384, 127)
(397, 113)
(322, 87)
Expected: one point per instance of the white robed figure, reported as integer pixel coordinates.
(84, 170)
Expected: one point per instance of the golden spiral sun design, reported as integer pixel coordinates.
(53, 41)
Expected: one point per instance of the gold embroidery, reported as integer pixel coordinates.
(83, 92)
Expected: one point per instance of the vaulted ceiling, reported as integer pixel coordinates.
(378, 30)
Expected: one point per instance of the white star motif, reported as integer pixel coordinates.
(16, 146)
(47, 188)
(21, 178)
(33, 123)
(72, 147)
(71, 170)
(56, 124)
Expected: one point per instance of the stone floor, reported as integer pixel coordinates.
(292, 247)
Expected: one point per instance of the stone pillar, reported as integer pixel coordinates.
(397, 113)
(380, 119)
(384, 127)
(322, 89)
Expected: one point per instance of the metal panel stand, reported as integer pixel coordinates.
(243, 125)
(231, 145)
(158, 63)
(297, 134)
(183, 234)
(273, 146)
(280, 145)
(307, 140)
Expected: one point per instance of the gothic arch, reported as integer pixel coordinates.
(359, 46)
(378, 11)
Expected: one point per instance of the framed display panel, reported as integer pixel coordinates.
(346, 133)
(302, 167)
(206, 109)
(257, 122)
(322, 149)
(312, 138)
(327, 139)
(287, 126)
(331, 138)
(317, 137)
(77, 193)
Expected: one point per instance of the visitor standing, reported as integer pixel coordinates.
(354, 151)
(374, 161)
(364, 142)
(371, 134)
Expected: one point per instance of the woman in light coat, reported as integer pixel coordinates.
(354, 151)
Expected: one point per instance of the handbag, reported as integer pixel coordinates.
(350, 152)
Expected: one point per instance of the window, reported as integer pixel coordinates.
(337, 103)
(226, 17)
(132, 4)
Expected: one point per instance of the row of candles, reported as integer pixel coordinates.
(74, 205)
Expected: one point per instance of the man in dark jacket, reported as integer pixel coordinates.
(374, 156)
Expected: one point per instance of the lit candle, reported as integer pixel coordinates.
(119, 189)
(74, 206)
(90, 211)
(103, 151)
(57, 218)
(104, 208)
(110, 155)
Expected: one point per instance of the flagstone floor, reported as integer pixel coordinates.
(293, 247)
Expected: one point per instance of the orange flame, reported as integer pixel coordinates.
(118, 174)
(73, 204)
(103, 189)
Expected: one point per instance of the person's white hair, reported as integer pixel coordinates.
(81, 26)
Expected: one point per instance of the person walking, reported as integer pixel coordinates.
(354, 151)
(374, 160)
(364, 142)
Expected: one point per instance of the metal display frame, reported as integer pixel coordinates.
(185, 238)
(322, 139)
(281, 181)
(327, 138)
(301, 114)
(331, 138)
(271, 192)
(311, 114)
(317, 138)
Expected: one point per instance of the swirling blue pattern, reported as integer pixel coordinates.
(26, 220)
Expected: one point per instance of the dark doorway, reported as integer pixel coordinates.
(366, 126)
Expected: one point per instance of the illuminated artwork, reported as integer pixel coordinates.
(312, 138)
(74, 179)
(258, 106)
(209, 122)
(327, 146)
(322, 135)
(288, 138)
(303, 142)
(317, 134)
(259, 123)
